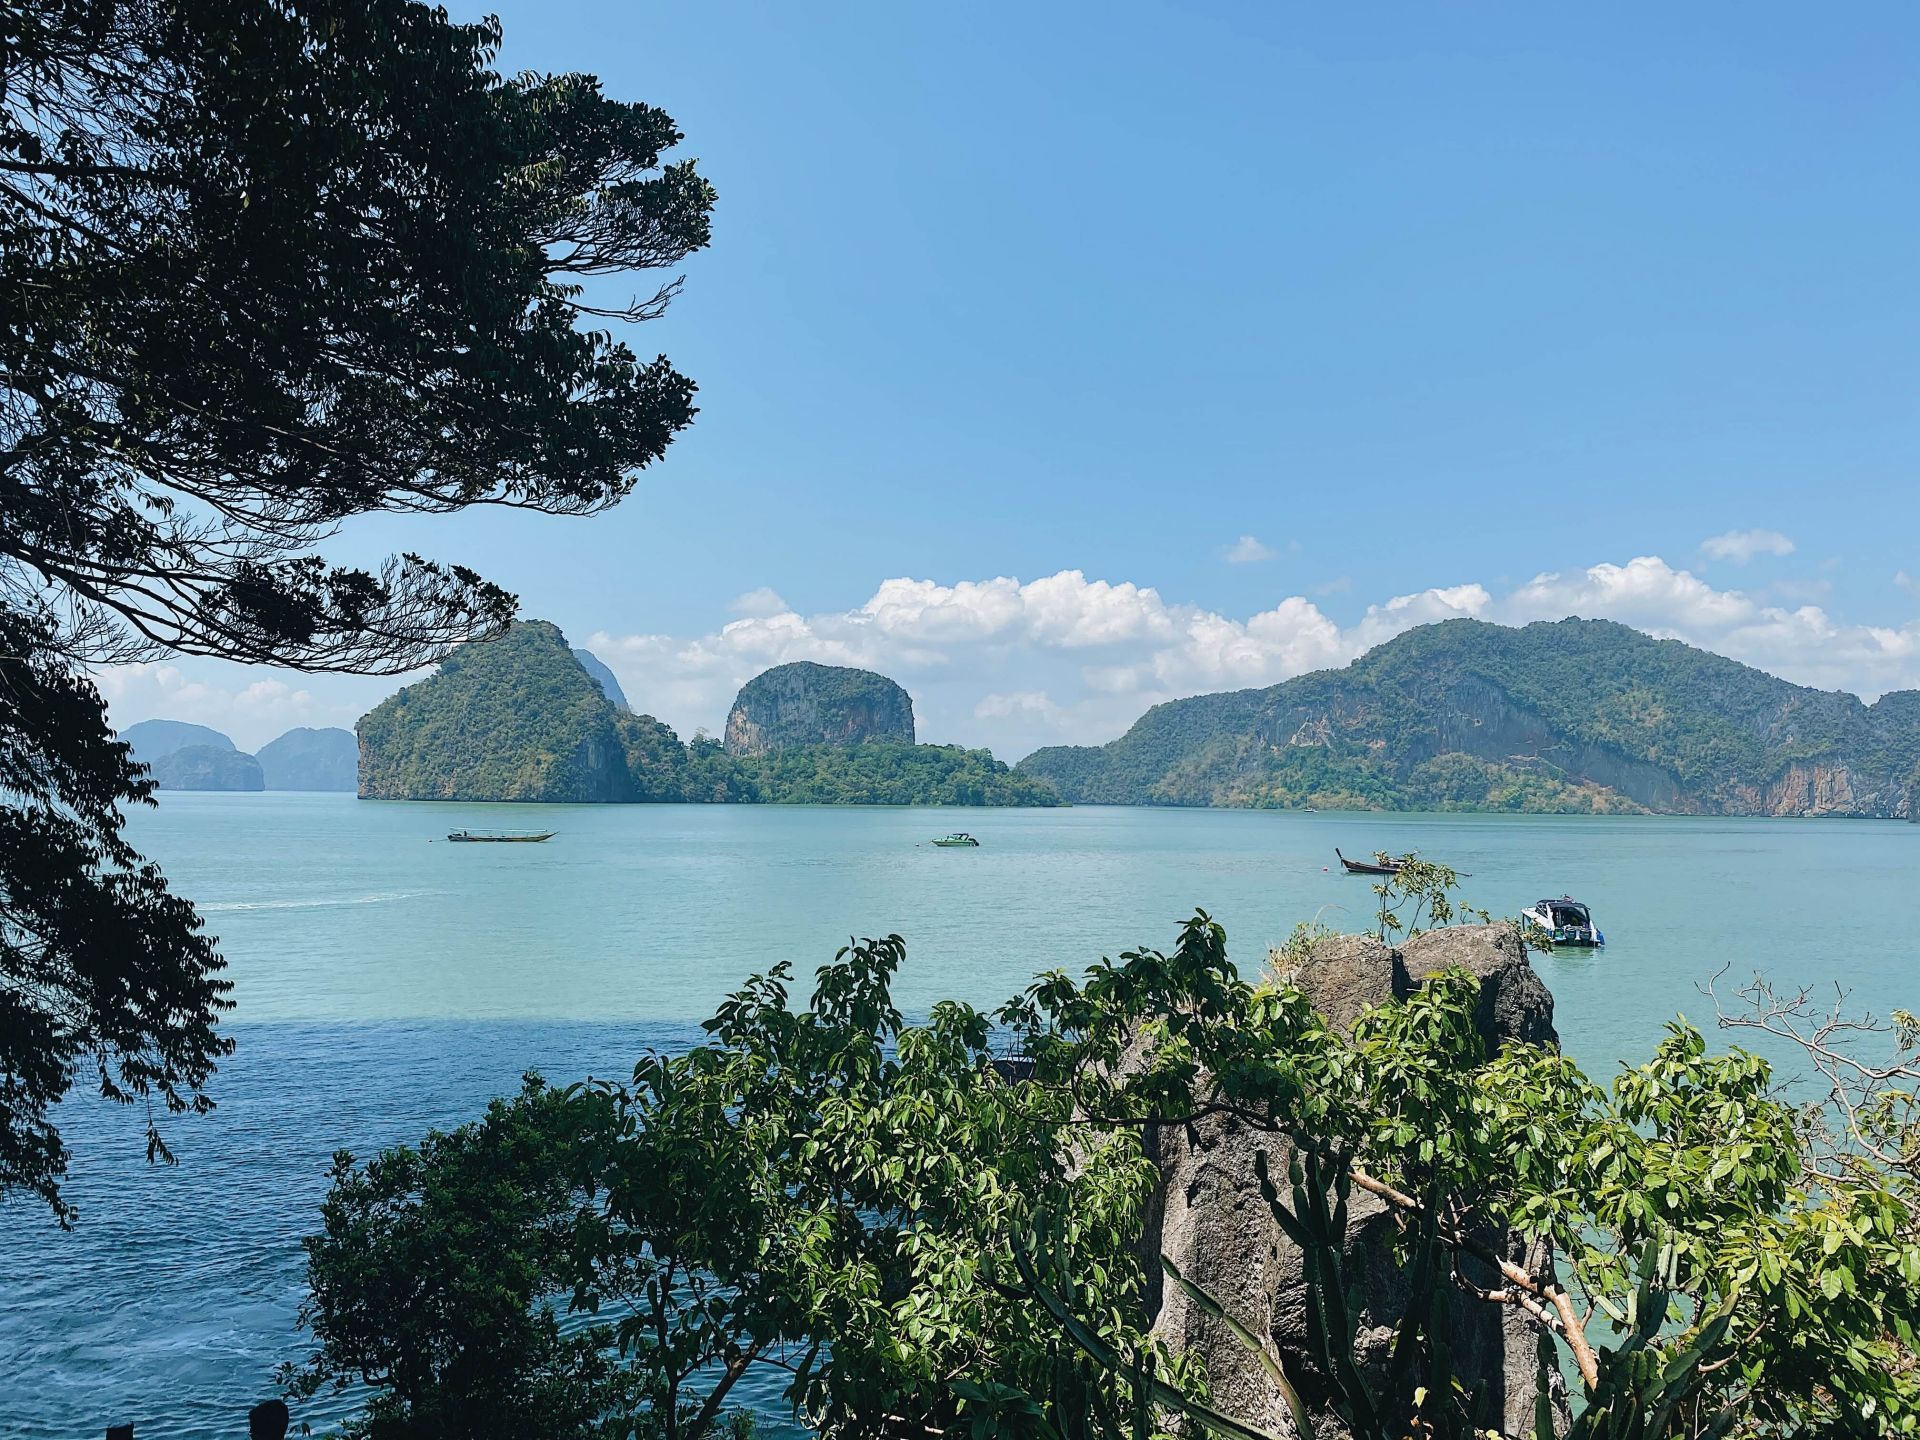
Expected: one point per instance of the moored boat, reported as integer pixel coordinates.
(1380, 865)
(501, 837)
(1562, 922)
(955, 840)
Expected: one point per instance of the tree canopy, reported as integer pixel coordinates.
(909, 1233)
(265, 267)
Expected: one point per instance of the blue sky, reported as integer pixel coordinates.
(1421, 299)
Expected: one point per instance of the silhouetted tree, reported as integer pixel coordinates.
(265, 267)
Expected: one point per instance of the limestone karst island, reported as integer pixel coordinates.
(1578, 717)
(522, 718)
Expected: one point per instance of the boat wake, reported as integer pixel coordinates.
(219, 907)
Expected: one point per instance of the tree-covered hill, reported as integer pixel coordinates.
(512, 718)
(521, 718)
(1577, 715)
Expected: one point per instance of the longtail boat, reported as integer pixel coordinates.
(1360, 867)
(501, 837)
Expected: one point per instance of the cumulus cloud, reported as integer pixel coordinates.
(1740, 546)
(1070, 658)
(1246, 551)
(763, 601)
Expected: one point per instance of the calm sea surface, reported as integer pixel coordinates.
(387, 982)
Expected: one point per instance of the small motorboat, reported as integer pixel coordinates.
(956, 840)
(1381, 865)
(501, 837)
(1562, 922)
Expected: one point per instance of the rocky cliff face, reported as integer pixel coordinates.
(1211, 1220)
(808, 704)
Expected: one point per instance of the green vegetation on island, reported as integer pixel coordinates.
(520, 718)
(1579, 715)
(511, 718)
(887, 773)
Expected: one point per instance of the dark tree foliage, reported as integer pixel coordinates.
(270, 266)
(266, 266)
(101, 968)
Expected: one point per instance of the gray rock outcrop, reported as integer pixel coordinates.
(1210, 1219)
(808, 704)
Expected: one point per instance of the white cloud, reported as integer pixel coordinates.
(1020, 702)
(1740, 546)
(763, 601)
(1247, 550)
(1905, 581)
(1065, 658)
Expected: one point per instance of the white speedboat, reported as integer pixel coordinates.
(1561, 922)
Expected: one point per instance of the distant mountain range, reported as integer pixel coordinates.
(1578, 715)
(184, 756)
(525, 717)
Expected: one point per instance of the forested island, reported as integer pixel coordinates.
(1566, 717)
(522, 718)
(183, 756)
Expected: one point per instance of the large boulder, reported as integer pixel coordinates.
(1211, 1220)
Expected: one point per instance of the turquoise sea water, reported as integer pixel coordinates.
(387, 981)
